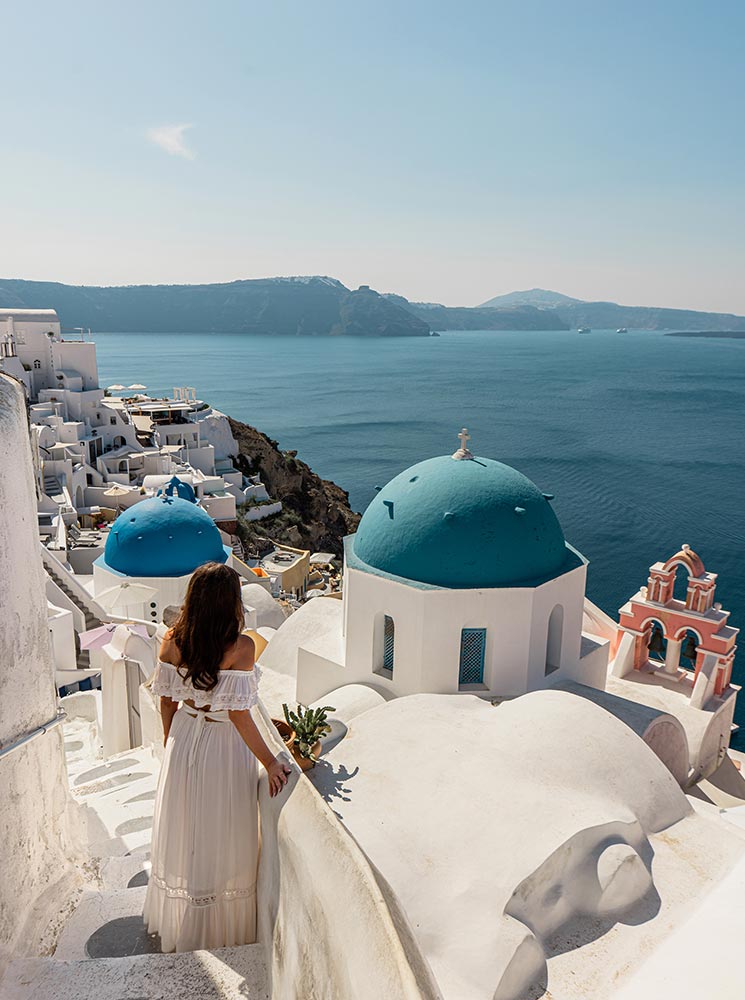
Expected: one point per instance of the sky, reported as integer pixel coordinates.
(448, 152)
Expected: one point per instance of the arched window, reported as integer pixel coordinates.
(689, 649)
(472, 651)
(389, 642)
(37, 364)
(680, 584)
(657, 643)
(553, 640)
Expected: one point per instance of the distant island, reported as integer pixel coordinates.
(724, 334)
(541, 309)
(319, 306)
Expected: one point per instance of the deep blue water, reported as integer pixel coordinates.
(639, 436)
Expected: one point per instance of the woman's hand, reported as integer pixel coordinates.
(277, 772)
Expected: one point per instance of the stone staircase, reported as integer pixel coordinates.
(91, 620)
(53, 489)
(103, 951)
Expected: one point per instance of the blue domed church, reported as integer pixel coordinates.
(158, 543)
(459, 579)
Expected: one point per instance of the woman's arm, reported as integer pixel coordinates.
(168, 708)
(276, 771)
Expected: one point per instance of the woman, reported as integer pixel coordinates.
(202, 889)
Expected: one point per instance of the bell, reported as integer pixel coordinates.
(656, 643)
(689, 648)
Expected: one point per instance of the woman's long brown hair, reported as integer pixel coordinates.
(210, 622)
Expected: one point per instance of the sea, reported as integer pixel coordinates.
(640, 436)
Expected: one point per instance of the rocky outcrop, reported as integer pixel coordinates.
(315, 512)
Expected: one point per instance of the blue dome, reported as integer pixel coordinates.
(176, 487)
(462, 523)
(163, 536)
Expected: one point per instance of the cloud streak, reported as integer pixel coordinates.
(170, 138)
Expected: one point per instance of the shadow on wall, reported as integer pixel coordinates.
(332, 783)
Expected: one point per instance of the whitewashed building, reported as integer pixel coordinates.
(459, 579)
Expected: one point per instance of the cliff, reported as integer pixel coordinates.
(521, 317)
(314, 306)
(316, 514)
(612, 315)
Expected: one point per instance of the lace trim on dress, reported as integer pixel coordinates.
(210, 900)
(236, 690)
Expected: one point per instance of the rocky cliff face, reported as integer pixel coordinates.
(316, 514)
(311, 307)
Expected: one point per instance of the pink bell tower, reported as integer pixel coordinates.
(695, 629)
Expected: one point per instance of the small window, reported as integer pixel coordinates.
(389, 642)
(472, 651)
(553, 640)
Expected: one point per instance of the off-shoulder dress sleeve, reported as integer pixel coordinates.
(236, 690)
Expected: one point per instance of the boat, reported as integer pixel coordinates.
(584, 329)
(622, 329)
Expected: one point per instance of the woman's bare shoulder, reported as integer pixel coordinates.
(168, 649)
(243, 656)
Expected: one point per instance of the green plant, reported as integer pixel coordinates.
(309, 726)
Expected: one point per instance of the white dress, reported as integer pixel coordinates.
(202, 889)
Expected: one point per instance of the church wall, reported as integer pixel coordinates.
(33, 783)
(567, 591)
(428, 624)
(368, 598)
(506, 616)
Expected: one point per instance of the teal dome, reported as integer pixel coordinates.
(163, 536)
(462, 523)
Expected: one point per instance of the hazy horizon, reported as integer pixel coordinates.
(446, 153)
(382, 291)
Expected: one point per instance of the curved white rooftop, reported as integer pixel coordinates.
(316, 625)
(490, 825)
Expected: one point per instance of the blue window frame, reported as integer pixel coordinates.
(389, 642)
(472, 650)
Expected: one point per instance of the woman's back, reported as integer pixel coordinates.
(202, 889)
(238, 656)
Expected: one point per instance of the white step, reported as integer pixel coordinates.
(114, 917)
(126, 872)
(225, 974)
(119, 796)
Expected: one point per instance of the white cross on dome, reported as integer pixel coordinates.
(464, 451)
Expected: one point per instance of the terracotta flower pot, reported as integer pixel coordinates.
(287, 734)
(305, 763)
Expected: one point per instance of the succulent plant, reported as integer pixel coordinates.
(309, 725)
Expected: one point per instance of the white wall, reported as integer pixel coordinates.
(332, 928)
(78, 356)
(264, 510)
(428, 624)
(62, 634)
(215, 430)
(169, 590)
(34, 832)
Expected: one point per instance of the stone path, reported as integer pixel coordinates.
(103, 950)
